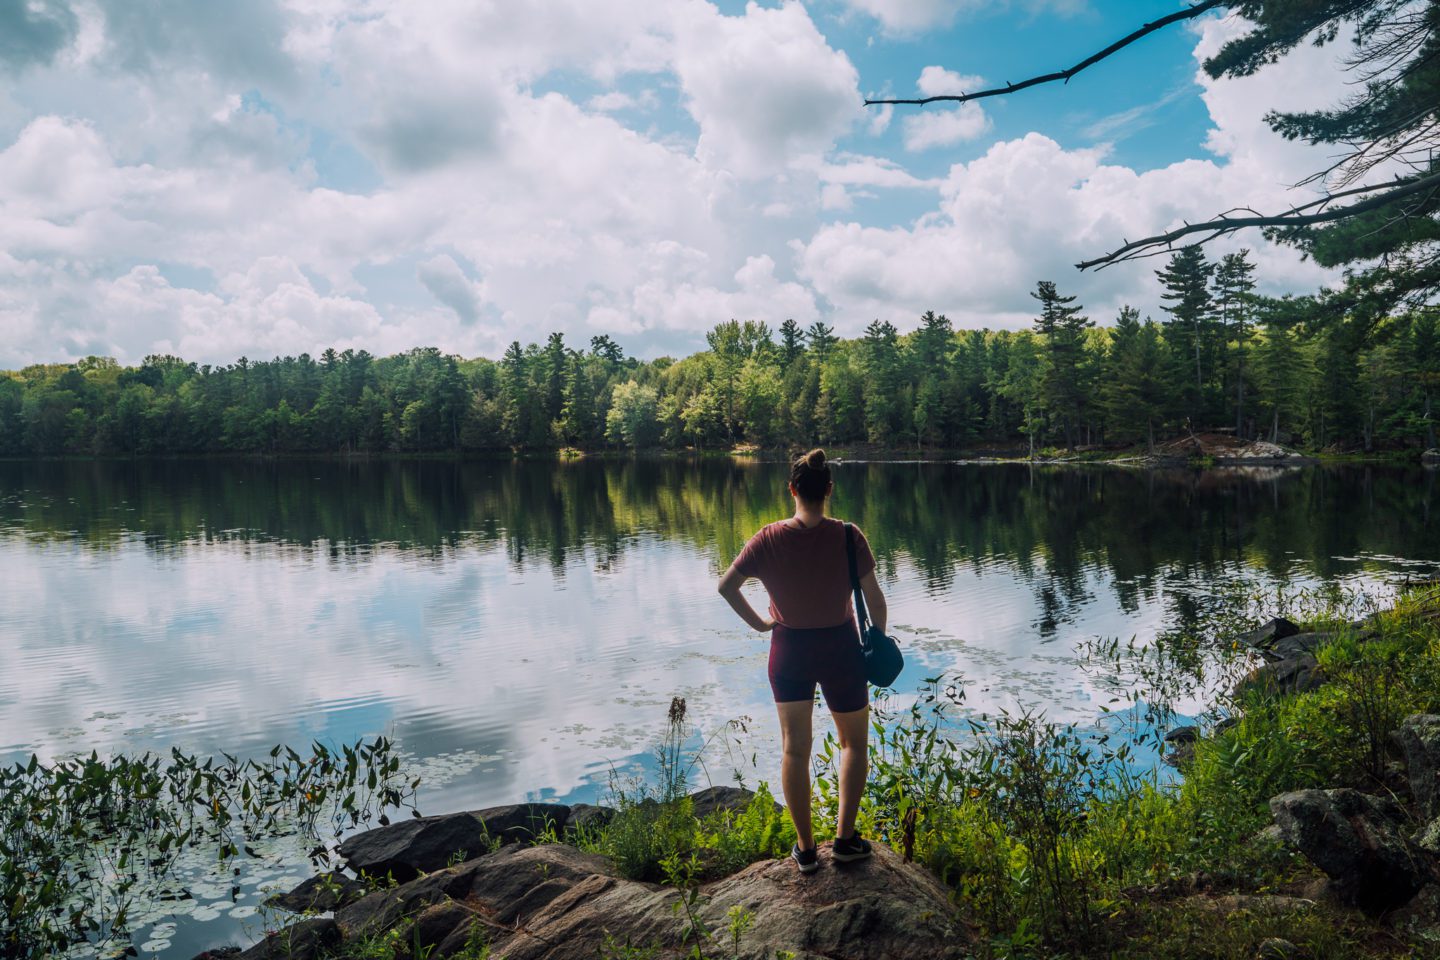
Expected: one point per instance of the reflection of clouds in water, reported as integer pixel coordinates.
(236, 646)
(507, 679)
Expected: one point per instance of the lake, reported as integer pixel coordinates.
(520, 627)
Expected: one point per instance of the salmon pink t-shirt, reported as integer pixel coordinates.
(805, 571)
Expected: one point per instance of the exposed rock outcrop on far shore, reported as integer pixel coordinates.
(1226, 449)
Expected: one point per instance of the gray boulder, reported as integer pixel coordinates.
(1428, 839)
(1186, 734)
(1296, 645)
(1275, 948)
(321, 894)
(381, 910)
(553, 902)
(1181, 756)
(306, 940)
(514, 881)
(588, 818)
(715, 799)
(1297, 675)
(1270, 631)
(1419, 739)
(1418, 922)
(1431, 456)
(407, 849)
(520, 822)
(1181, 741)
(1357, 840)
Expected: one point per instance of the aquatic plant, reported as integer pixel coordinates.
(83, 840)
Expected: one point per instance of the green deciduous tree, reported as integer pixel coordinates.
(632, 420)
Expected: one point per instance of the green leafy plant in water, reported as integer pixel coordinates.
(83, 839)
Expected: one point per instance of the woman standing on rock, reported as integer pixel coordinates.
(803, 564)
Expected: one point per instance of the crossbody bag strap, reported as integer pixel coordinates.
(861, 614)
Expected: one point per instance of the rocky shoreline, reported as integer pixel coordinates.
(1379, 851)
(480, 876)
(514, 878)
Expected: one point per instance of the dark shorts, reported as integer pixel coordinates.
(829, 656)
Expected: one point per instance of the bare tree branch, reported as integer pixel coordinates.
(1187, 14)
(1295, 217)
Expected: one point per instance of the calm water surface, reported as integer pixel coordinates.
(521, 627)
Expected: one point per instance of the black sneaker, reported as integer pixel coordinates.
(807, 860)
(855, 847)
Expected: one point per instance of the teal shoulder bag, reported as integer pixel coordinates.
(882, 654)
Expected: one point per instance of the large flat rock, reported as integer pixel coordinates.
(407, 849)
(871, 909)
(553, 902)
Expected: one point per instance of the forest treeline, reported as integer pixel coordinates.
(1219, 357)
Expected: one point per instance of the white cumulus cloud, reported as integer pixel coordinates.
(765, 87)
(943, 126)
(1029, 209)
(460, 175)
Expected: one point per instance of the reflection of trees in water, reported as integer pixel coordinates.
(1052, 526)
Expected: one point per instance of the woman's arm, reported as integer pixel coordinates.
(874, 600)
(730, 590)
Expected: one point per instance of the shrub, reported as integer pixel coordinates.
(762, 831)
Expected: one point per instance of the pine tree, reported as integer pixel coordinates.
(884, 403)
(1188, 332)
(552, 376)
(934, 341)
(1063, 328)
(579, 415)
(515, 394)
(1134, 391)
(822, 340)
(1279, 364)
(1234, 297)
(792, 343)
(603, 346)
(1383, 134)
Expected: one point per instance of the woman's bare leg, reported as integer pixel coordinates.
(795, 765)
(853, 729)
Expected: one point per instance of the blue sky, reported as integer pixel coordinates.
(286, 175)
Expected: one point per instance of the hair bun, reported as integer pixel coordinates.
(815, 459)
